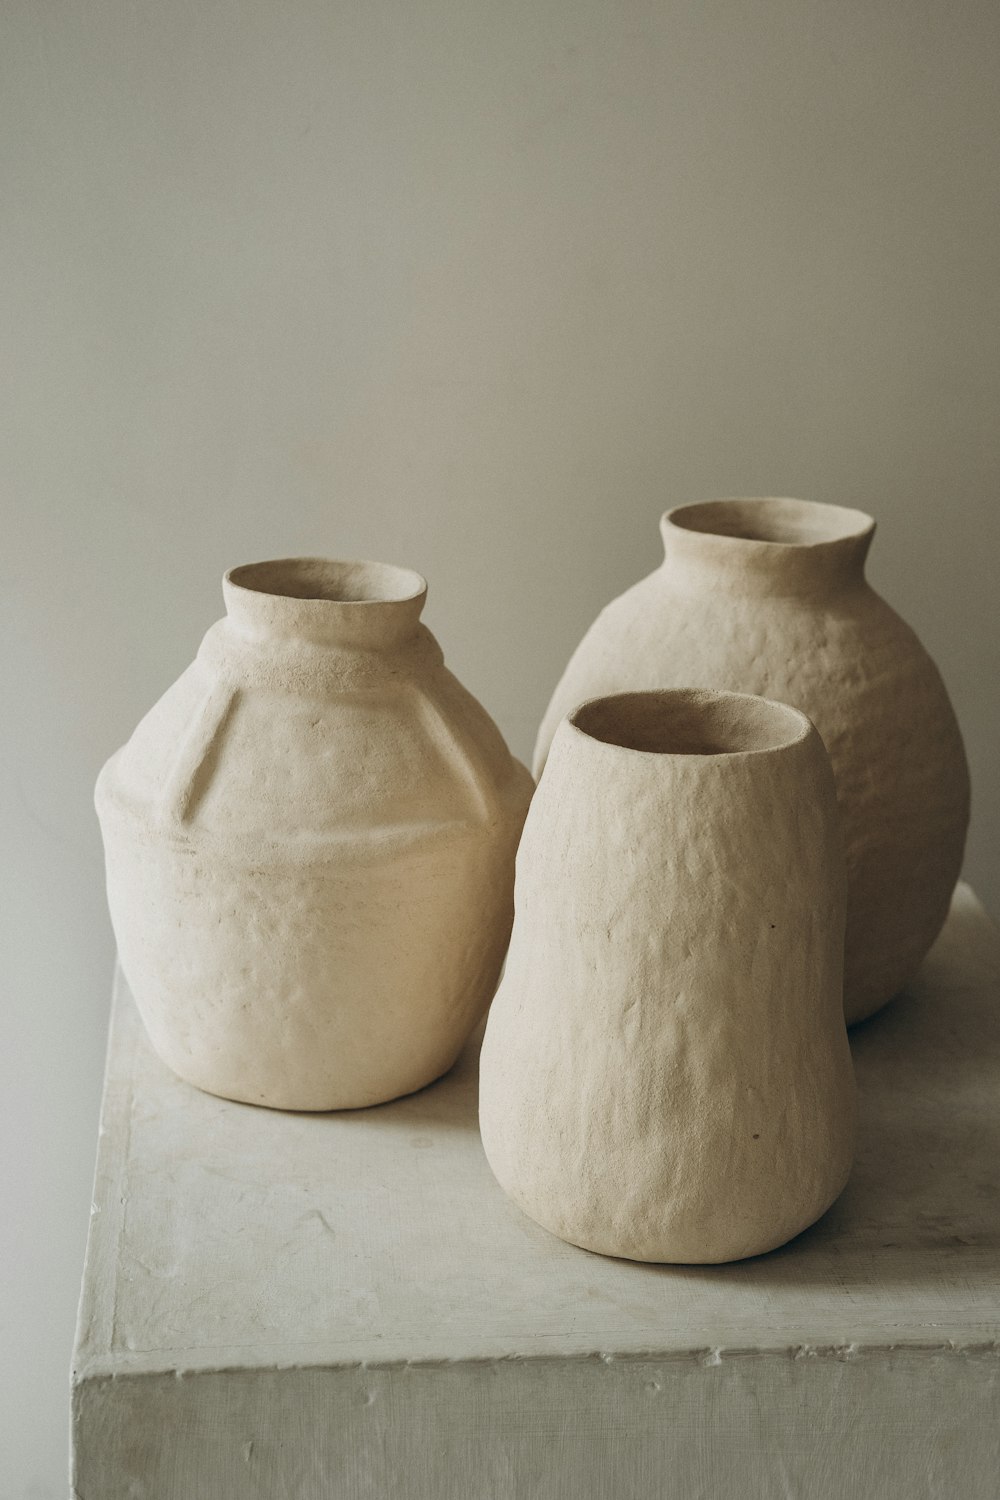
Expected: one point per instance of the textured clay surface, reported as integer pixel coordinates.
(310, 843)
(665, 1074)
(769, 597)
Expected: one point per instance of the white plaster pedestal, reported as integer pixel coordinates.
(331, 1306)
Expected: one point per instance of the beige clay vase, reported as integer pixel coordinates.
(665, 1074)
(310, 845)
(769, 596)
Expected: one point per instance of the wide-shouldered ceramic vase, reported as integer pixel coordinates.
(310, 845)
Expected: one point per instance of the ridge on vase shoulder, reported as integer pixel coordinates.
(363, 657)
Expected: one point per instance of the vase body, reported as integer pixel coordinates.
(310, 843)
(769, 597)
(665, 1074)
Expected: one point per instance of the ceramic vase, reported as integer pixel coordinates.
(665, 1074)
(769, 596)
(310, 845)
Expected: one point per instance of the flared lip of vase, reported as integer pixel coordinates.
(689, 723)
(328, 580)
(772, 524)
(326, 600)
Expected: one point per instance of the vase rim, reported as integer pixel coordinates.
(326, 601)
(324, 580)
(690, 723)
(771, 522)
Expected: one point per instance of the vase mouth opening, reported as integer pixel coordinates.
(325, 602)
(691, 722)
(774, 522)
(321, 580)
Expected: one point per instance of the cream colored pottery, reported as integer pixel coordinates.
(665, 1074)
(769, 596)
(310, 845)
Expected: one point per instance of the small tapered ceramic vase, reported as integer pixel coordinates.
(666, 1074)
(769, 596)
(310, 845)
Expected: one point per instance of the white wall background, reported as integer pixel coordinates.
(476, 287)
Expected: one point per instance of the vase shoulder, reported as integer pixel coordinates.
(302, 752)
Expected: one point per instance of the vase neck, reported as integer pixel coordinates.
(367, 606)
(783, 547)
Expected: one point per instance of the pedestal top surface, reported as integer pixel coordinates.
(225, 1235)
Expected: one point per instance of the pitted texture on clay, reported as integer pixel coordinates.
(665, 1073)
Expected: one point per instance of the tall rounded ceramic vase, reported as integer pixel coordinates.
(310, 845)
(769, 596)
(665, 1074)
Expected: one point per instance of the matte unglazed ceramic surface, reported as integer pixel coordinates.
(310, 845)
(665, 1074)
(769, 596)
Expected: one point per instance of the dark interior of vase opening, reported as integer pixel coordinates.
(688, 723)
(335, 582)
(795, 523)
